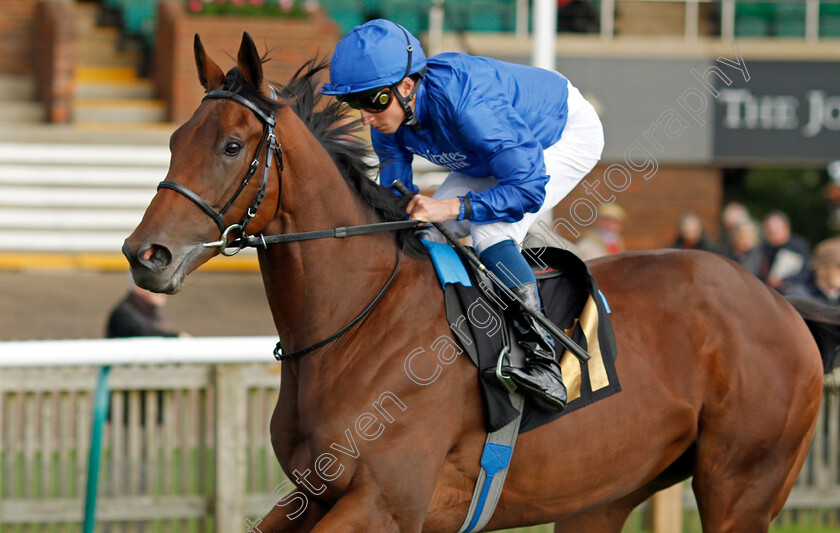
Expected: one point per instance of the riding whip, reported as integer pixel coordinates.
(559, 334)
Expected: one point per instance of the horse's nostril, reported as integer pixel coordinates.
(155, 256)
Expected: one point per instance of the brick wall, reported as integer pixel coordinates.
(16, 24)
(290, 43)
(653, 205)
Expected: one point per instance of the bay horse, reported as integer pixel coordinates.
(722, 378)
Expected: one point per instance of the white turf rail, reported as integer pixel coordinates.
(137, 351)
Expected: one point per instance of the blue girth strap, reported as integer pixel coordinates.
(495, 459)
(498, 447)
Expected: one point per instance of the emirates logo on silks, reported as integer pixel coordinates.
(450, 160)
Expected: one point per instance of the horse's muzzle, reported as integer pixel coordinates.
(152, 267)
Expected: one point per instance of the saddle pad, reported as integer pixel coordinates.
(571, 299)
(447, 263)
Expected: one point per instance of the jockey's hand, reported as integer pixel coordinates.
(427, 209)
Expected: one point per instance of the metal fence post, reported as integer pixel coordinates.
(100, 413)
(230, 449)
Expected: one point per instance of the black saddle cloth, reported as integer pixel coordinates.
(567, 290)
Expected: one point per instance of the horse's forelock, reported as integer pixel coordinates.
(235, 83)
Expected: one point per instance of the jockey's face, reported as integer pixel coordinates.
(389, 120)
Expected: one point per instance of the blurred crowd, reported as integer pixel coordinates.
(767, 248)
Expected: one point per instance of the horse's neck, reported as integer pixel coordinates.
(315, 287)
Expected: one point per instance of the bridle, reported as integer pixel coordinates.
(244, 240)
(268, 138)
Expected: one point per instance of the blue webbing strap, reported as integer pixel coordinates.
(495, 459)
(498, 447)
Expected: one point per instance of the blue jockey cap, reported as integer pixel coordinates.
(375, 54)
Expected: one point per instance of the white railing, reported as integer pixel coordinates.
(187, 444)
(136, 351)
(184, 413)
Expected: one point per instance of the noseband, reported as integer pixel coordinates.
(218, 216)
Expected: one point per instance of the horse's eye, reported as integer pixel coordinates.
(232, 148)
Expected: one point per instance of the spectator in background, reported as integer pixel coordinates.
(691, 235)
(823, 281)
(605, 237)
(745, 246)
(734, 214)
(784, 255)
(139, 314)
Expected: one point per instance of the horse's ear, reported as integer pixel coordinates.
(209, 73)
(249, 62)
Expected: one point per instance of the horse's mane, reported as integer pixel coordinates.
(338, 132)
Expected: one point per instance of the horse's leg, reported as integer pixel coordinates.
(726, 502)
(289, 520)
(608, 518)
(363, 509)
(745, 468)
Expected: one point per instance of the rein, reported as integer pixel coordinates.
(244, 240)
(278, 349)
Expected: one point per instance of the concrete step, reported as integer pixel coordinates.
(16, 88)
(74, 197)
(102, 35)
(85, 46)
(15, 112)
(86, 16)
(98, 73)
(107, 57)
(137, 89)
(73, 219)
(87, 134)
(23, 240)
(119, 110)
(77, 154)
(64, 175)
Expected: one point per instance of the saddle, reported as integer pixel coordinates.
(482, 320)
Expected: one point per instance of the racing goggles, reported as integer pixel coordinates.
(373, 101)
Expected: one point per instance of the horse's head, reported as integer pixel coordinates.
(217, 176)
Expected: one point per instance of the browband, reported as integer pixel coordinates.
(228, 95)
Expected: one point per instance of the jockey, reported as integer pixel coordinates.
(517, 139)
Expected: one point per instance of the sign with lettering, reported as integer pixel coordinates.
(785, 112)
